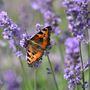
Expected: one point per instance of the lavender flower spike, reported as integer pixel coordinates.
(11, 31)
(45, 7)
(72, 71)
(11, 80)
(77, 16)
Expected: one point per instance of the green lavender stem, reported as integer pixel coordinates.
(52, 72)
(60, 49)
(88, 60)
(35, 79)
(88, 47)
(77, 88)
(24, 74)
(83, 78)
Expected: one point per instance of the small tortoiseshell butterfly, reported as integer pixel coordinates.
(37, 45)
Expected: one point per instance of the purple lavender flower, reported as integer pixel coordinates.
(11, 31)
(57, 68)
(11, 81)
(87, 65)
(45, 7)
(72, 71)
(48, 70)
(77, 16)
(85, 85)
(24, 40)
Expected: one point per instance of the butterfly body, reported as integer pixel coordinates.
(37, 45)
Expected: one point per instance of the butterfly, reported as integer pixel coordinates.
(37, 44)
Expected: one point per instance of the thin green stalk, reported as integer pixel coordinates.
(88, 61)
(74, 88)
(24, 75)
(60, 49)
(88, 47)
(35, 79)
(83, 78)
(77, 88)
(52, 72)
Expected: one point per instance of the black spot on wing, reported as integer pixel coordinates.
(28, 51)
(28, 60)
(33, 53)
(40, 32)
(40, 40)
(47, 28)
(28, 55)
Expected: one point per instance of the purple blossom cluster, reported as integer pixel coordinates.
(77, 16)
(72, 70)
(23, 41)
(11, 80)
(78, 22)
(45, 7)
(11, 32)
(17, 38)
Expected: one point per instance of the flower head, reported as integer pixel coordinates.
(77, 16)
(11, 31)
(45, 7)
(72, 71)
(11, 80)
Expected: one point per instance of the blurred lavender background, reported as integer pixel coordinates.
(64, 54)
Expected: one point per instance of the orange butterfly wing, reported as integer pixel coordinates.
(41, 40)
